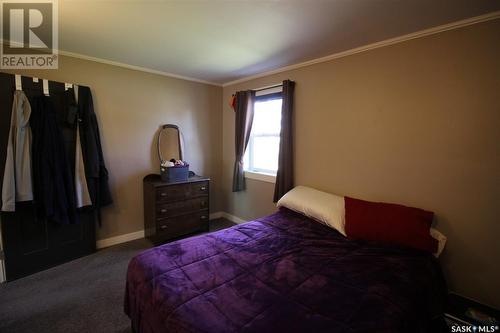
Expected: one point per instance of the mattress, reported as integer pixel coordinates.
(282, 273)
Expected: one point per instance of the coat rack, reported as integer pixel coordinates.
(45, 84)
(30, 244)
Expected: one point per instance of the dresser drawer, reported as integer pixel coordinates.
(198, 189)
(181, 225)
(174, 192)
(181, 191)
(181, 207)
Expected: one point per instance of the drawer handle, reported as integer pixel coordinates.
(163, 211)
(163, 227)
(163, 194)
(203, 217)
(203, 203)
(203, 188)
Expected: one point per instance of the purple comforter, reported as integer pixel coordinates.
(282, 273)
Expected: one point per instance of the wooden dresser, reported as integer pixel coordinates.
(175, 209)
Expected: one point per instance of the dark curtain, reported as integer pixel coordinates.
(243, 125)
(284, 177)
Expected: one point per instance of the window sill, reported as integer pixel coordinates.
(264, 177)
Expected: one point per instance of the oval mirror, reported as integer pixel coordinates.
(169, 143)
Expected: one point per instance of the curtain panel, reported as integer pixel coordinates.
(284, 177)
(243, 125)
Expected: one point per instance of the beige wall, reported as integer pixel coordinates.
(415, 123)
(131, 105)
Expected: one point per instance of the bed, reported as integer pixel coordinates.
(283, 273)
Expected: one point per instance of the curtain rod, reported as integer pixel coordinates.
(268, 87)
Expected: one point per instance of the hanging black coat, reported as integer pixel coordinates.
(52, 177)
(95, 169)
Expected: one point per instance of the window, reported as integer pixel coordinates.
(261, 156)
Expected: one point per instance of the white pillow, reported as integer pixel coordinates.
(324, 207)
(441, 240)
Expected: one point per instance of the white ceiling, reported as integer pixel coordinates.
(220, 41)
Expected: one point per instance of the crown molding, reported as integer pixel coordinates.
(135, 68)
(418, 34)
(387, 42)
(127, 66)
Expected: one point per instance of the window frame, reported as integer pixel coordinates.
(256, 173)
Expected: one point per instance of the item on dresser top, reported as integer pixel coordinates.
(173, 162)
(170, 146)
(177, 162)
(174, 209)
(167, 164)
(170, 143)
(176, 173)
(17, 182)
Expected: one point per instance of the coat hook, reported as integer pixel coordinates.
(19, 85)
(46, 87)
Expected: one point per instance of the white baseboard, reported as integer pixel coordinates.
(233, 218)
(102, 243)
(227, 216)
(216, 215)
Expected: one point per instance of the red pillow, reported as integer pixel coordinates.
(390, 223)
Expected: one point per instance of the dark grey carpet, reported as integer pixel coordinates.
(84, 295)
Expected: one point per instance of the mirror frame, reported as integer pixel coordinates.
(164, 127)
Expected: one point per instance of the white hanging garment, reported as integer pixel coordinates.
(81, 188)
(17, 182)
